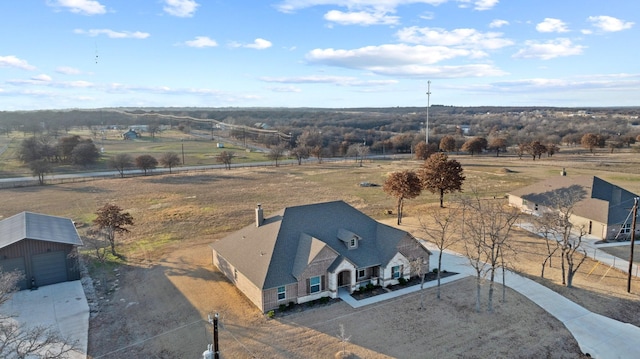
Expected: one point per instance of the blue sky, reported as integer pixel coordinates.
(318, 53)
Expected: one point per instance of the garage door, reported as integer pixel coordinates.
(9, 265)
(49, 268)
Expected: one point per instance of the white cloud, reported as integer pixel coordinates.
(83, 7)
(68, 70)
(609, 24)
(42, 77)
(336, 80)
(465, 38)
(259, 44)
(403, 60)
(180, 8)
(482, 5)
(113, 34)
(549, 49)
(364, 18)
(285, 89)
(289, 6)
(201, 41)
(12, 61)
(498, 23)
(552, 25)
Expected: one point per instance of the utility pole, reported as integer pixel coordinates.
(633, 239)
(428, 105)
(213, 351)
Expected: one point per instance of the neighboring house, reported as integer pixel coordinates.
(603, 211)
(306, 252)
(42, 247)
(131, 135)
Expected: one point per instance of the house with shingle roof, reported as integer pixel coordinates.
(41, 247)
(603, 209)
(303, 253)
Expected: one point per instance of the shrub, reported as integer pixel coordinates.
(282, 307)
(291, 305)
(271, 314)
(325, 300)
(369, 287)
(435, 270)
(402, 281)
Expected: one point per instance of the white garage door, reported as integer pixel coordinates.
(10, 265)
(49, 268)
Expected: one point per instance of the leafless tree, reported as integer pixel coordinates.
(441, 227)
(21, 341)
(225, 157)
(489, 223)
(545, 225)
(344, 339)
(169, 160)
(276, 153)
(120, 162)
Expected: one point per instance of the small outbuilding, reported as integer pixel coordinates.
(40, 246)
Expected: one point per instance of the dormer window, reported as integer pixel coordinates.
(349, 238)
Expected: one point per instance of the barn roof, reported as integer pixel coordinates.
(40, 227)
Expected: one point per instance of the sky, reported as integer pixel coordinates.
(63, 54)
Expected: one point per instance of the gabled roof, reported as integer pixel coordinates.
(41, 227)
(272, 254)
(602, 201)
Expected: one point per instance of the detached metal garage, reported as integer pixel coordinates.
(40, 246)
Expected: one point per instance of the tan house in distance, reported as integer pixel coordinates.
(307, 252)
(603, 211)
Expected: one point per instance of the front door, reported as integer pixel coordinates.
(344, 278)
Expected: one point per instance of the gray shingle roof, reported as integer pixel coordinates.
(41, 227)
(266, 255)
(603, 201)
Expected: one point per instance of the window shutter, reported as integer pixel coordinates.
(308, 286)
(322, 283)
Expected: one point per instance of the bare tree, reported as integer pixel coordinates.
(169, 160)
(120, 162)
(20, 341)
(40, 168)
(402, 184)
(300, 153)
(276, 153)
(489, 223)
(344, 339)
(441, 226)
(589, 141)
(225, 157)
(545, 225)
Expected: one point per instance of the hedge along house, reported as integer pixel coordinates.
(603, 209)
(307, 252)
(40, 246)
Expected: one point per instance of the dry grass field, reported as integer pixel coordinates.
(155, 302)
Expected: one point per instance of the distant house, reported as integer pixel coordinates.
(130, 135)
(41, 247)
(306, 252)
(603, 210)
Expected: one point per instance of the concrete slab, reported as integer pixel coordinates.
(61, 306)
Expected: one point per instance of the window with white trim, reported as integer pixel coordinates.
(396, 272)
(361, 273)
(282, 293)
(314, 284)
(626, 228)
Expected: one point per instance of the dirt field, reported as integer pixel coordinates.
(155, 303)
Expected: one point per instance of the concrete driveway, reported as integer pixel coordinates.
(61, 306)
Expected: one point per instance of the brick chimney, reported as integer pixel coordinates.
(259, 215)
